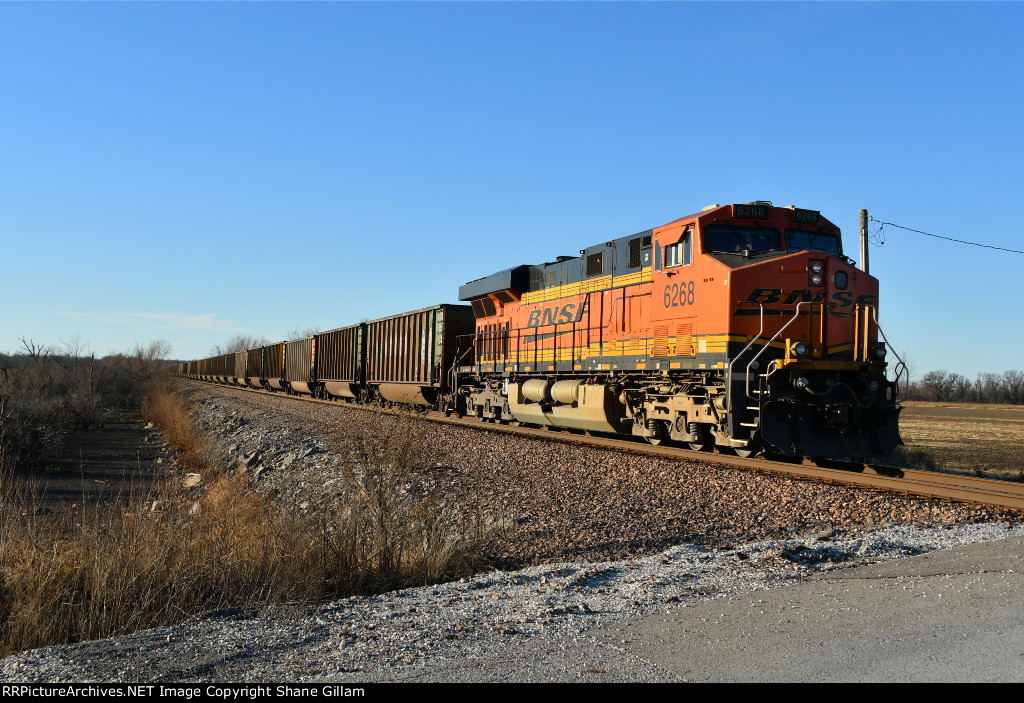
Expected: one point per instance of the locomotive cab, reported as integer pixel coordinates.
(810, 377)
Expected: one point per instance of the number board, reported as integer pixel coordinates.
(758, 211)
(809, 216)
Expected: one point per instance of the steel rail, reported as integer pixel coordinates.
(929, 484)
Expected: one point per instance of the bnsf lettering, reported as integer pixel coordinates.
(804, 296)
(765, 295)
(840, 299)
(554, 316)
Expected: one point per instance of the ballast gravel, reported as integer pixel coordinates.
(554, 501)
(665, 537)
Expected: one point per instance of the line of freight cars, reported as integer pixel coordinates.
(405, 358)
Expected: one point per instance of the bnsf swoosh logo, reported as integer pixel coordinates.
(559, 314)
(840, 299)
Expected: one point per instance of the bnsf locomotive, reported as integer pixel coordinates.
(741, 327)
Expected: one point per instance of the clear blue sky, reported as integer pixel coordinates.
(188, 171)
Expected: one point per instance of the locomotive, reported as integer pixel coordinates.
(742, 328)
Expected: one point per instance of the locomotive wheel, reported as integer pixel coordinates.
(706, 446)
(751, 450)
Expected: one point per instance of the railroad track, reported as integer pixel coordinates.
(930, 484)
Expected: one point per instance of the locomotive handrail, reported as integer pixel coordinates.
(586, 295)
(896, 371)
(796, 314)
(728, 379)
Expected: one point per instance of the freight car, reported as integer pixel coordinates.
(408, 358)
(741, 327)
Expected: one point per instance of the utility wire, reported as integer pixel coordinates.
(948, 239)
(877, 236)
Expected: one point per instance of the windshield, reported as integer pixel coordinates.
(812, 241)
(735, 240)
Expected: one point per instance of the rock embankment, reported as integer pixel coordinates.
(558, 501)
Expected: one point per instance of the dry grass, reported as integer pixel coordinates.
(154, 559)
(170, 412)
(403, 518)
(97, 571)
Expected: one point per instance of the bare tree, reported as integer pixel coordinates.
(146, 363)
(1014, 381)
(909, 369)
(935, 385)
(240, 342)
(989, 388)
(36, 352)
(302, 332)
(960, 385)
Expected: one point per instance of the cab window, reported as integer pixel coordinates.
(680, 253)
(722, 239)
(812, 241)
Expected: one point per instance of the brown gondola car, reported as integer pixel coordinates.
(273, 366)
(227, 368)
(412, 357)
(300, 366)
(254, 367)
(239, 374)
(341, 361)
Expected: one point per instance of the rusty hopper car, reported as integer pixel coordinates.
(273, 366)
(254, 367)
(341, 362)
(741, 326)
(300, 366)
(239, 376)
(410, 358)
(227, 368)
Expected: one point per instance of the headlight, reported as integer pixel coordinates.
(842, 280)
(797, 348)
(878, 351)
(816, 273)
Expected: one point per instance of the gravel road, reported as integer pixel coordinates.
(589, 536)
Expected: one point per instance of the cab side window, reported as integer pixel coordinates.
(680, 253)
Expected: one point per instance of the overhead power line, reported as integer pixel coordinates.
(948, 239)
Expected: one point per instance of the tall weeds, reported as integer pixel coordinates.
(157, 557)
(403, 519)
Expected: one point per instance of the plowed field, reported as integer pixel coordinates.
(965, 438)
